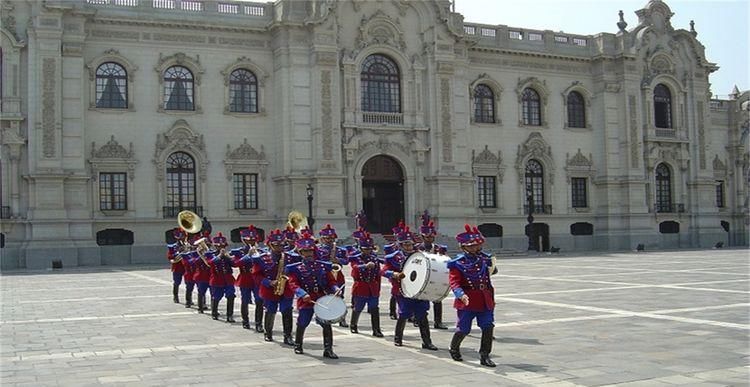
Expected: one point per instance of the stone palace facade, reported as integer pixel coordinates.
(117, 114)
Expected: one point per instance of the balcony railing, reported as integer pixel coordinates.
(670, 208)
(171, 212)
(5, 212)
(383, 118)
(670, 133)
(539, 209)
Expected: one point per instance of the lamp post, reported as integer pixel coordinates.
(530, 219)
(310, 219)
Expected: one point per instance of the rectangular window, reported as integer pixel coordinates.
(535, 36)
(720, 194)
(113, 193)
(245, 191)
(486, 189)
(578, 192)
(515, 35)
(561, 39)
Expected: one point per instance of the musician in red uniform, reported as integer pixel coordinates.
(267, 267)
(407, 307)
(469, 277)
(311, 279)
(328, 251)
(428, 245)
(201, 275)
(366, 289)
(178, 270)
(222, 280)
(246, 279)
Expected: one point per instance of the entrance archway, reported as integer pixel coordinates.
(382, 193)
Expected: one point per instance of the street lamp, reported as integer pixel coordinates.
(310, 219)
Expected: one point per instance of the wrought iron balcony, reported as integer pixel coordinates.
(171, 212)
(539, 209)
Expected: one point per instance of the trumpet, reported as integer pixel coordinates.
(201, 245)
(335, 269)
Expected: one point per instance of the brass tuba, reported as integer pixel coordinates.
(297, 221)
(189, 221)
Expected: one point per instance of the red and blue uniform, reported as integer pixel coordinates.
(470, 275)
(407, 307)
(221, 279)
(313, 278)
(366, 287)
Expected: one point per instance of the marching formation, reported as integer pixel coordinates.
(292, 264)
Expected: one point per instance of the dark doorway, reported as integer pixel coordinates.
(382, 194)
(539, 233)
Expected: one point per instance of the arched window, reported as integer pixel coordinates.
(663, 188)
(576, 110)
(535, 185)
(662, 107)
(243, 91)
(531, 107)
(180, 184)
(381, 85)
(111, 86)
(178, 89)
(484, 104)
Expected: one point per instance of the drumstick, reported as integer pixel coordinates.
(334, 294)
(321, 305)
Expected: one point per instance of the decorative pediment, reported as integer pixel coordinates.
(578, 160)
(381, 29)
(111, 150)
(656, 14)
(112, 157)
(536, 148)
(485, 157)
(245, 152)
(719, 167)
(661, 64)
(180, 59)
(180, 138)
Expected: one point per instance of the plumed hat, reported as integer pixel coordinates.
(470, 236)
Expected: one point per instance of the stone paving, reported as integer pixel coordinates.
(629, 319)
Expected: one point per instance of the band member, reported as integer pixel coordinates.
(366, 288)
(388, 250)
(311, 279)
(407, 307)
(222, 280)
(201, 276)
(328, 251)
(189, 278)
(290, 236)
(268, 267)
(469, 277)
(246, 279)
(428, 245)
(178, 270)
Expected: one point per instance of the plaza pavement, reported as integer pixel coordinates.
(631, 319)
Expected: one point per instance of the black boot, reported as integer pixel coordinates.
(230, 309)
(286, 320)
(424, 331)
(485, 348)
(414, 322)
(455, 349)
(375, 320)
(188, 297)
(392, 308)
(328, 342)
(201, 303)
(214, 309)
(398, 337)
(244, 313)
(299, 337)
(259, 316)
(437, 308)
(343, 323)
(268, 325)
(355, 320)
(175, 293)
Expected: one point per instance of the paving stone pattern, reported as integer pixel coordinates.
(629, 319)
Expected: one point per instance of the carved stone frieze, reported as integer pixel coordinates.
(486, 157)
(48, 106)
(326, 114)
(111, 150)
(380, 29)
(633, 132)
(446, 132)
(245, 152)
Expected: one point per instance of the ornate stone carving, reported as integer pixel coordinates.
(578, 160)
(180, 137)
(633, 133)
(485, 157)
(381, 29)
(111, 150)
(719, 166)
(701, 135)
(537, 148)
(245, 152)
(326, 112)
(446, 133)
(48, 106)
(181, 59)
(245, 159)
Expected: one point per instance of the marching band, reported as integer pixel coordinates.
(294, 264)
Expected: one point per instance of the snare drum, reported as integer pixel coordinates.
(330, 309)
(426, 277)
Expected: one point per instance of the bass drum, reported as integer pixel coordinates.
(426, 277)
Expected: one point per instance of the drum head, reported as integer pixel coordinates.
(417, 271)
(330, 309)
